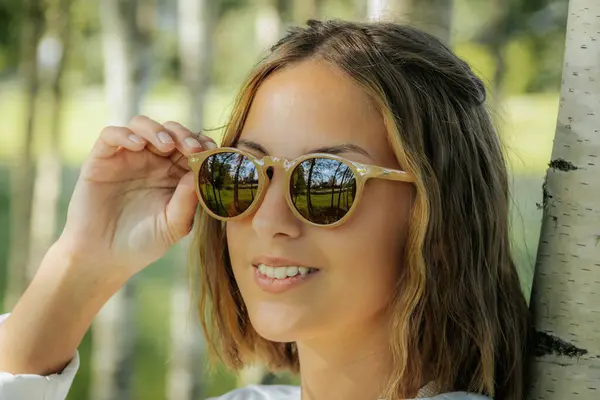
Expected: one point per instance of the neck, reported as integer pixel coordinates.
(350, 364)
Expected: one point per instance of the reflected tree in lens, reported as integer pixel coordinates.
(227, 183)
(245, 182)
(298, 183)
(329, 189)
(333, 183)
(236, 180)
(309, 186)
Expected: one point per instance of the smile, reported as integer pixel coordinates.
(283, 272)
(281, 278)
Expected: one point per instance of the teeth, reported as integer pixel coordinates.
(282, 272)
(303, 270)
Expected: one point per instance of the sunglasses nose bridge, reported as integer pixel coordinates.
(268, 163)
(272, 161)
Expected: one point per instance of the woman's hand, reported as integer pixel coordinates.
(135, 196)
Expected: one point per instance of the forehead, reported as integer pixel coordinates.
(313, 104)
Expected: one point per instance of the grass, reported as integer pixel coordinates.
(527, 123)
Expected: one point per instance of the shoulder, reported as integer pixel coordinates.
(262, 392)
(459, 396)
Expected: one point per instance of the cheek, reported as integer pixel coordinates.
(369, 248)
(380, 222)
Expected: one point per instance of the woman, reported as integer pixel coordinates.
(376, 263)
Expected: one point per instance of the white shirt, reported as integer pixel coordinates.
(56, 387)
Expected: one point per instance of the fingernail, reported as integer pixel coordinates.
(136, 139)
(164, 138)
(192, 142)
(210, 145)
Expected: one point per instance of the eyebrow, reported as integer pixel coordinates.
(337, 149)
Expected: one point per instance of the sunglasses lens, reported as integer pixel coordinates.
(323, 190)
(228, 183)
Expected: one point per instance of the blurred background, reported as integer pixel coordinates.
(70, 67)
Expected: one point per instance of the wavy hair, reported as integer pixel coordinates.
(459, 315)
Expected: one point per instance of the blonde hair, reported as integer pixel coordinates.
(459, 312)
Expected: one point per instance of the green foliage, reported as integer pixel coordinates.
(479, 57)
(520, 66)
(528, 32)
(225, 6)
(11, 16)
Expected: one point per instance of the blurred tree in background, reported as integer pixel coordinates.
(69, 67)
(126, 31)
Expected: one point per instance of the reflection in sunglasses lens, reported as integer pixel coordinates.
(323, 190)
(228, 183)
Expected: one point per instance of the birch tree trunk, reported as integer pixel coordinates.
(113, 332)
(23, 173)
(434, 16)
(387, 10)
(184, 380)
(268, 25)
(195, 25)
(566, 288)
(47, 186)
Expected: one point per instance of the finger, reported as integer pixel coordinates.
(154, 133)
(187, 144)
(186, 141)
(206, 142)
(112, 138)
(182, 208)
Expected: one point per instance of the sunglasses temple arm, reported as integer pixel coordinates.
(392, 175)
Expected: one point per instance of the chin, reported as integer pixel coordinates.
(280, 323)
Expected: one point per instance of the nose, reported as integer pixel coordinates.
(274, 217)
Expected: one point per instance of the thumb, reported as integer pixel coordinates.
(181, 208)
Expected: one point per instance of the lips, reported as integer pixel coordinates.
(276, 262)
(278, 274)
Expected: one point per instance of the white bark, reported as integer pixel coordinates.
(23, 173)
(268, 25)
(47, 188)
(388, 10)
(566, 288)
(44, 210)
(120, 60)
(184, 380)
(195, 24)
(113, 331)
(113, 341)
(434, 16)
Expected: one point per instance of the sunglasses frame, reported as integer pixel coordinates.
(362, 173)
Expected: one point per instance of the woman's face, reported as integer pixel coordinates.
(303, 107)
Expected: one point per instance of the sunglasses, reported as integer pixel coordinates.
(321, 189)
